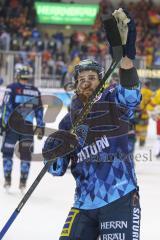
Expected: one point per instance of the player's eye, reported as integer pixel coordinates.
(81, 80)
(92, 78)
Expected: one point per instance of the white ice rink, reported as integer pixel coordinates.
(43, 215)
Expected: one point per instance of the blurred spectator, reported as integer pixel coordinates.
(60, 67)
(4, 38)
(156, 54)
(61, 53)
(35, 34)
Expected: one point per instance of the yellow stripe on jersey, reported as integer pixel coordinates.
(68, 224)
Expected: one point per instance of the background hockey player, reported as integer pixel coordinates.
(142, 117)
(106, 198)
(23, 102)
(153, 109)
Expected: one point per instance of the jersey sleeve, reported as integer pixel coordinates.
(7, 106)
(60, 165)
(128, 98)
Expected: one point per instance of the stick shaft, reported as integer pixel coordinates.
(84, 112)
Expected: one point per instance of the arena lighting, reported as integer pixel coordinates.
(66, 13)
(149, 73)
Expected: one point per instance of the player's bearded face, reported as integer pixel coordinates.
(87, 83)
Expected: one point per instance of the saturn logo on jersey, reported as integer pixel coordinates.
(92, 150)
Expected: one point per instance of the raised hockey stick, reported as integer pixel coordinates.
(117, 53)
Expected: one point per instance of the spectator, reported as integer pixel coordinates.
(4, 38)
(57, 55)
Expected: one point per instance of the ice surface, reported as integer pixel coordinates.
(43, 215)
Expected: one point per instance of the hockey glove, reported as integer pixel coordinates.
(58, 167)
(127, 31)
(59, 144)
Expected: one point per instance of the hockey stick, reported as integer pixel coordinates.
(117, 52)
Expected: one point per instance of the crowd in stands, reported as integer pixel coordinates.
(147, 17)
(18, 32)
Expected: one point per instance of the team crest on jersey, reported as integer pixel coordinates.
(98, 98)
(81, 132)
(111, 89)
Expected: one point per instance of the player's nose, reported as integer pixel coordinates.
(85, 84)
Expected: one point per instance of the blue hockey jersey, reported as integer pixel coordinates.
(102, 166)
(26, 100)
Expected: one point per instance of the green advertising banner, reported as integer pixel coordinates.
(66, 13)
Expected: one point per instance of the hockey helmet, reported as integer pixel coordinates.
(24, 72)
(88, 64)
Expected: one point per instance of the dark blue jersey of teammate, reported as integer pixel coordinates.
(102, 166)
(26, 100)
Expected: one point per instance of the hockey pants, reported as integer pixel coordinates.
(117, 220)
(25, 150)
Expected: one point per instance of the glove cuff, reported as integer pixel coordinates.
(131, 53)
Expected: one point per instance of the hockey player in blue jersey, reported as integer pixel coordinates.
(21, 103)
(106, 201)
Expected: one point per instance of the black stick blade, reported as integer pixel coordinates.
(111, 30)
